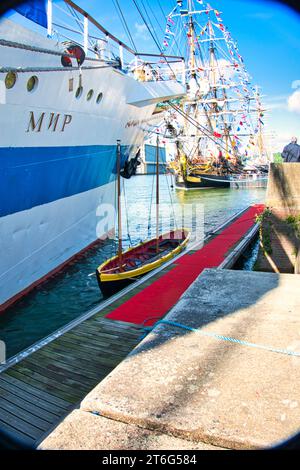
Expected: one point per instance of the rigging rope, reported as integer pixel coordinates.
(197, 125)
(123, 20)
(169, 189)
(157, 43)
(126, 212)
(150, 207)
(157, 21)
(150, 22)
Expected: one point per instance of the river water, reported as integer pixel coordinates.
(74, 291)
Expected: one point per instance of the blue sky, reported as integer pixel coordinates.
(268, 34)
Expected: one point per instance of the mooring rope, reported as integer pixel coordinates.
(228, 338)
(41, 50)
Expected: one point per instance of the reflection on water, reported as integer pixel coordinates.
(75, 291)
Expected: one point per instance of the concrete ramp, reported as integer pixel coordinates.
(202, 388)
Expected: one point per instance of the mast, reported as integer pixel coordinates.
(212, 59)
(119, 201)
(260, 136)
(157, 194)
(214, 102)
(192, 41)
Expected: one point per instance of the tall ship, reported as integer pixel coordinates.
(217, 129)
(66, 97)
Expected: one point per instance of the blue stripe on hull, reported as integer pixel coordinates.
(34, 176)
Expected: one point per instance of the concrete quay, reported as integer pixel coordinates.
(283, 187)
(45, 383)
(194, 390)
(283, 202)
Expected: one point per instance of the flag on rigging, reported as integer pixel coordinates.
(216, 134)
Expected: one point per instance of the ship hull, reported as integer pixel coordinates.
(58, 156)
(203, 181)
(35, 242)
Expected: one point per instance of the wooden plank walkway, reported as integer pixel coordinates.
(39, 391)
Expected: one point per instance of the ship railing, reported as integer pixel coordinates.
(67, 22)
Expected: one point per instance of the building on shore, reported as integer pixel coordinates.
(148, 160)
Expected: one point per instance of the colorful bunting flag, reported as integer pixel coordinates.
(216, 134)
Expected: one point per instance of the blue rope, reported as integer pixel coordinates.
(228, 338)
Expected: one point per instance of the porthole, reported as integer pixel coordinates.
(89, 95)
(32, 83)
(10, 80)
(99, 98)
(79, 92)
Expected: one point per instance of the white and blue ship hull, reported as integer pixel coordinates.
(58, 157)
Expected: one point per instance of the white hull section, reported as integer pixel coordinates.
(36, 241)
(58, 152)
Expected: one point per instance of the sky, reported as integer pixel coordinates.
(268, 35)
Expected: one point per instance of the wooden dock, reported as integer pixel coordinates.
(40, 386)
(39, 391)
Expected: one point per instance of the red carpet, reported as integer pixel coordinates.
(158, 298)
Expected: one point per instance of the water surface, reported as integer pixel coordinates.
(75, 291)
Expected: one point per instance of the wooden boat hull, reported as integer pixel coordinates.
(112, 287)
(115, 274)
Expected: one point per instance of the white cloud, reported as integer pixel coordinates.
(277, 138)
(296, 84)
(276, 105)
(276, 102)
(223, 67)
(294, 102)
(226, 68)
(141, 31)
(280, 140)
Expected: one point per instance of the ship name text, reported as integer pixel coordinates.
(51, 122)
(135, 123)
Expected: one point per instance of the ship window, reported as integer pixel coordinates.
(79, 92)
(32, 83)
(89, 95)
(10, 80)
(99, 98)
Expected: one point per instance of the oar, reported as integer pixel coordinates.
(111, 269)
